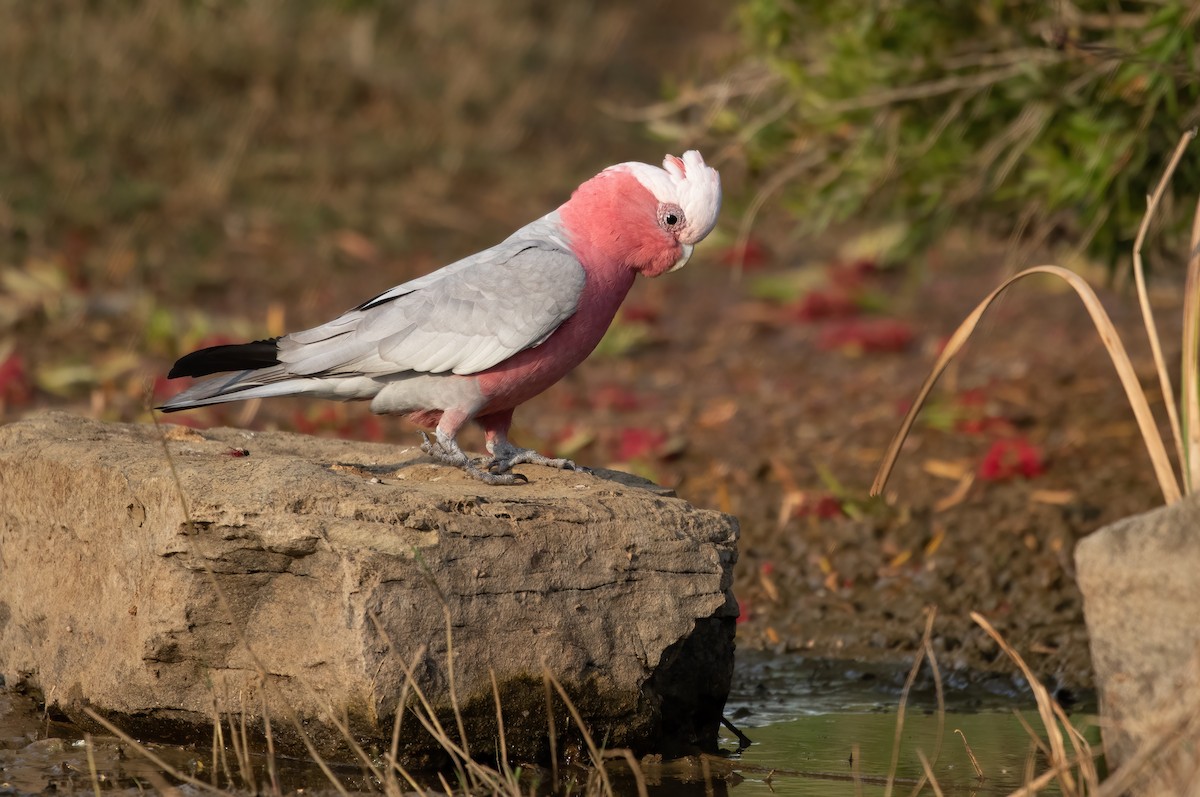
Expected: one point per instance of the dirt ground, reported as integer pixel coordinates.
(771, 396)
(759, 409)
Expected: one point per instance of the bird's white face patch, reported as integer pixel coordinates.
(688, 183)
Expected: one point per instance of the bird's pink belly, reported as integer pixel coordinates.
(522, 377)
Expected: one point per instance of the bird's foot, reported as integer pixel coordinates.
(506, 455)
(447, 452)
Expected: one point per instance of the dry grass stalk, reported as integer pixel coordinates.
(930, 614)
(1139, 273)
(631, 761)
(1187, 434)
(1189, 373)
(1159, 458)
(1173, 732)
(593, 750)
(149, 755)
(91, 759)
(940, 695)
(1052, 715)
(925, 765)
(550, 725)
(971, 755)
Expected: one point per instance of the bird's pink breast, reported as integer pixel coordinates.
(528, 373)
(611, 223)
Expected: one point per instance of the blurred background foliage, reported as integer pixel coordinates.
(173, 172)
(163, 140)
(1048, 120)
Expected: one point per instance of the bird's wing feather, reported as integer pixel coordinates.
(463, 319)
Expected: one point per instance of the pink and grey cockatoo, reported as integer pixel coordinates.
(477, 338)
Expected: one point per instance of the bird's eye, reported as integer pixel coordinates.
(670, 216)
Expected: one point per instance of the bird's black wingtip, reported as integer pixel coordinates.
(230, 357)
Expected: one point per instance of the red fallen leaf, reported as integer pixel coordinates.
(743, 611)
(988, 424)
(974, 397)
(237, 452)
(166, 388)
(820, 506)
(370, 428)
(751, 256)
(825, 508)
(1011, 457)
(851, 276)
(818, 305)
(974, 419)
(301, 423)
(767, 568)
(323, 418)
(15, 387)
(639, 443)
(867, 335)
(615, 397)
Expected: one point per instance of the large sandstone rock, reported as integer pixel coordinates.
(1140, 579)
(328, 564)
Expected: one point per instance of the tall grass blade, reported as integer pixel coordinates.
(1189, 373)
(1116, 350)
(149, 754)
(931, 613)
(1048, 709)
(1139, 273)
(940, 693)
(593, 750)
(91, 759)
(933, 784)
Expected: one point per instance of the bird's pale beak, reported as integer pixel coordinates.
(683, 258)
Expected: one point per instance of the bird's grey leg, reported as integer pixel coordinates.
(445, 449)
(505, 455)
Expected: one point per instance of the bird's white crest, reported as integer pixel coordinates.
(686, 182)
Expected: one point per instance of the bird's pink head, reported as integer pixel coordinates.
(645, 217)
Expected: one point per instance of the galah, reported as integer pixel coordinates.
(475, 339)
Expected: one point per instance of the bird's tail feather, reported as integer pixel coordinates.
(233, 357)
(236, 387)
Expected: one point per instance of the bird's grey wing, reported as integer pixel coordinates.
(463, 319)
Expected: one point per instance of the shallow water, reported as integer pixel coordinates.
(808, 719)
(817, 728)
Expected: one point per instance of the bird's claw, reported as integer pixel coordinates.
(504, 461)
(454, 457)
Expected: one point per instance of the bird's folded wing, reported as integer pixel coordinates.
(463, 319)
